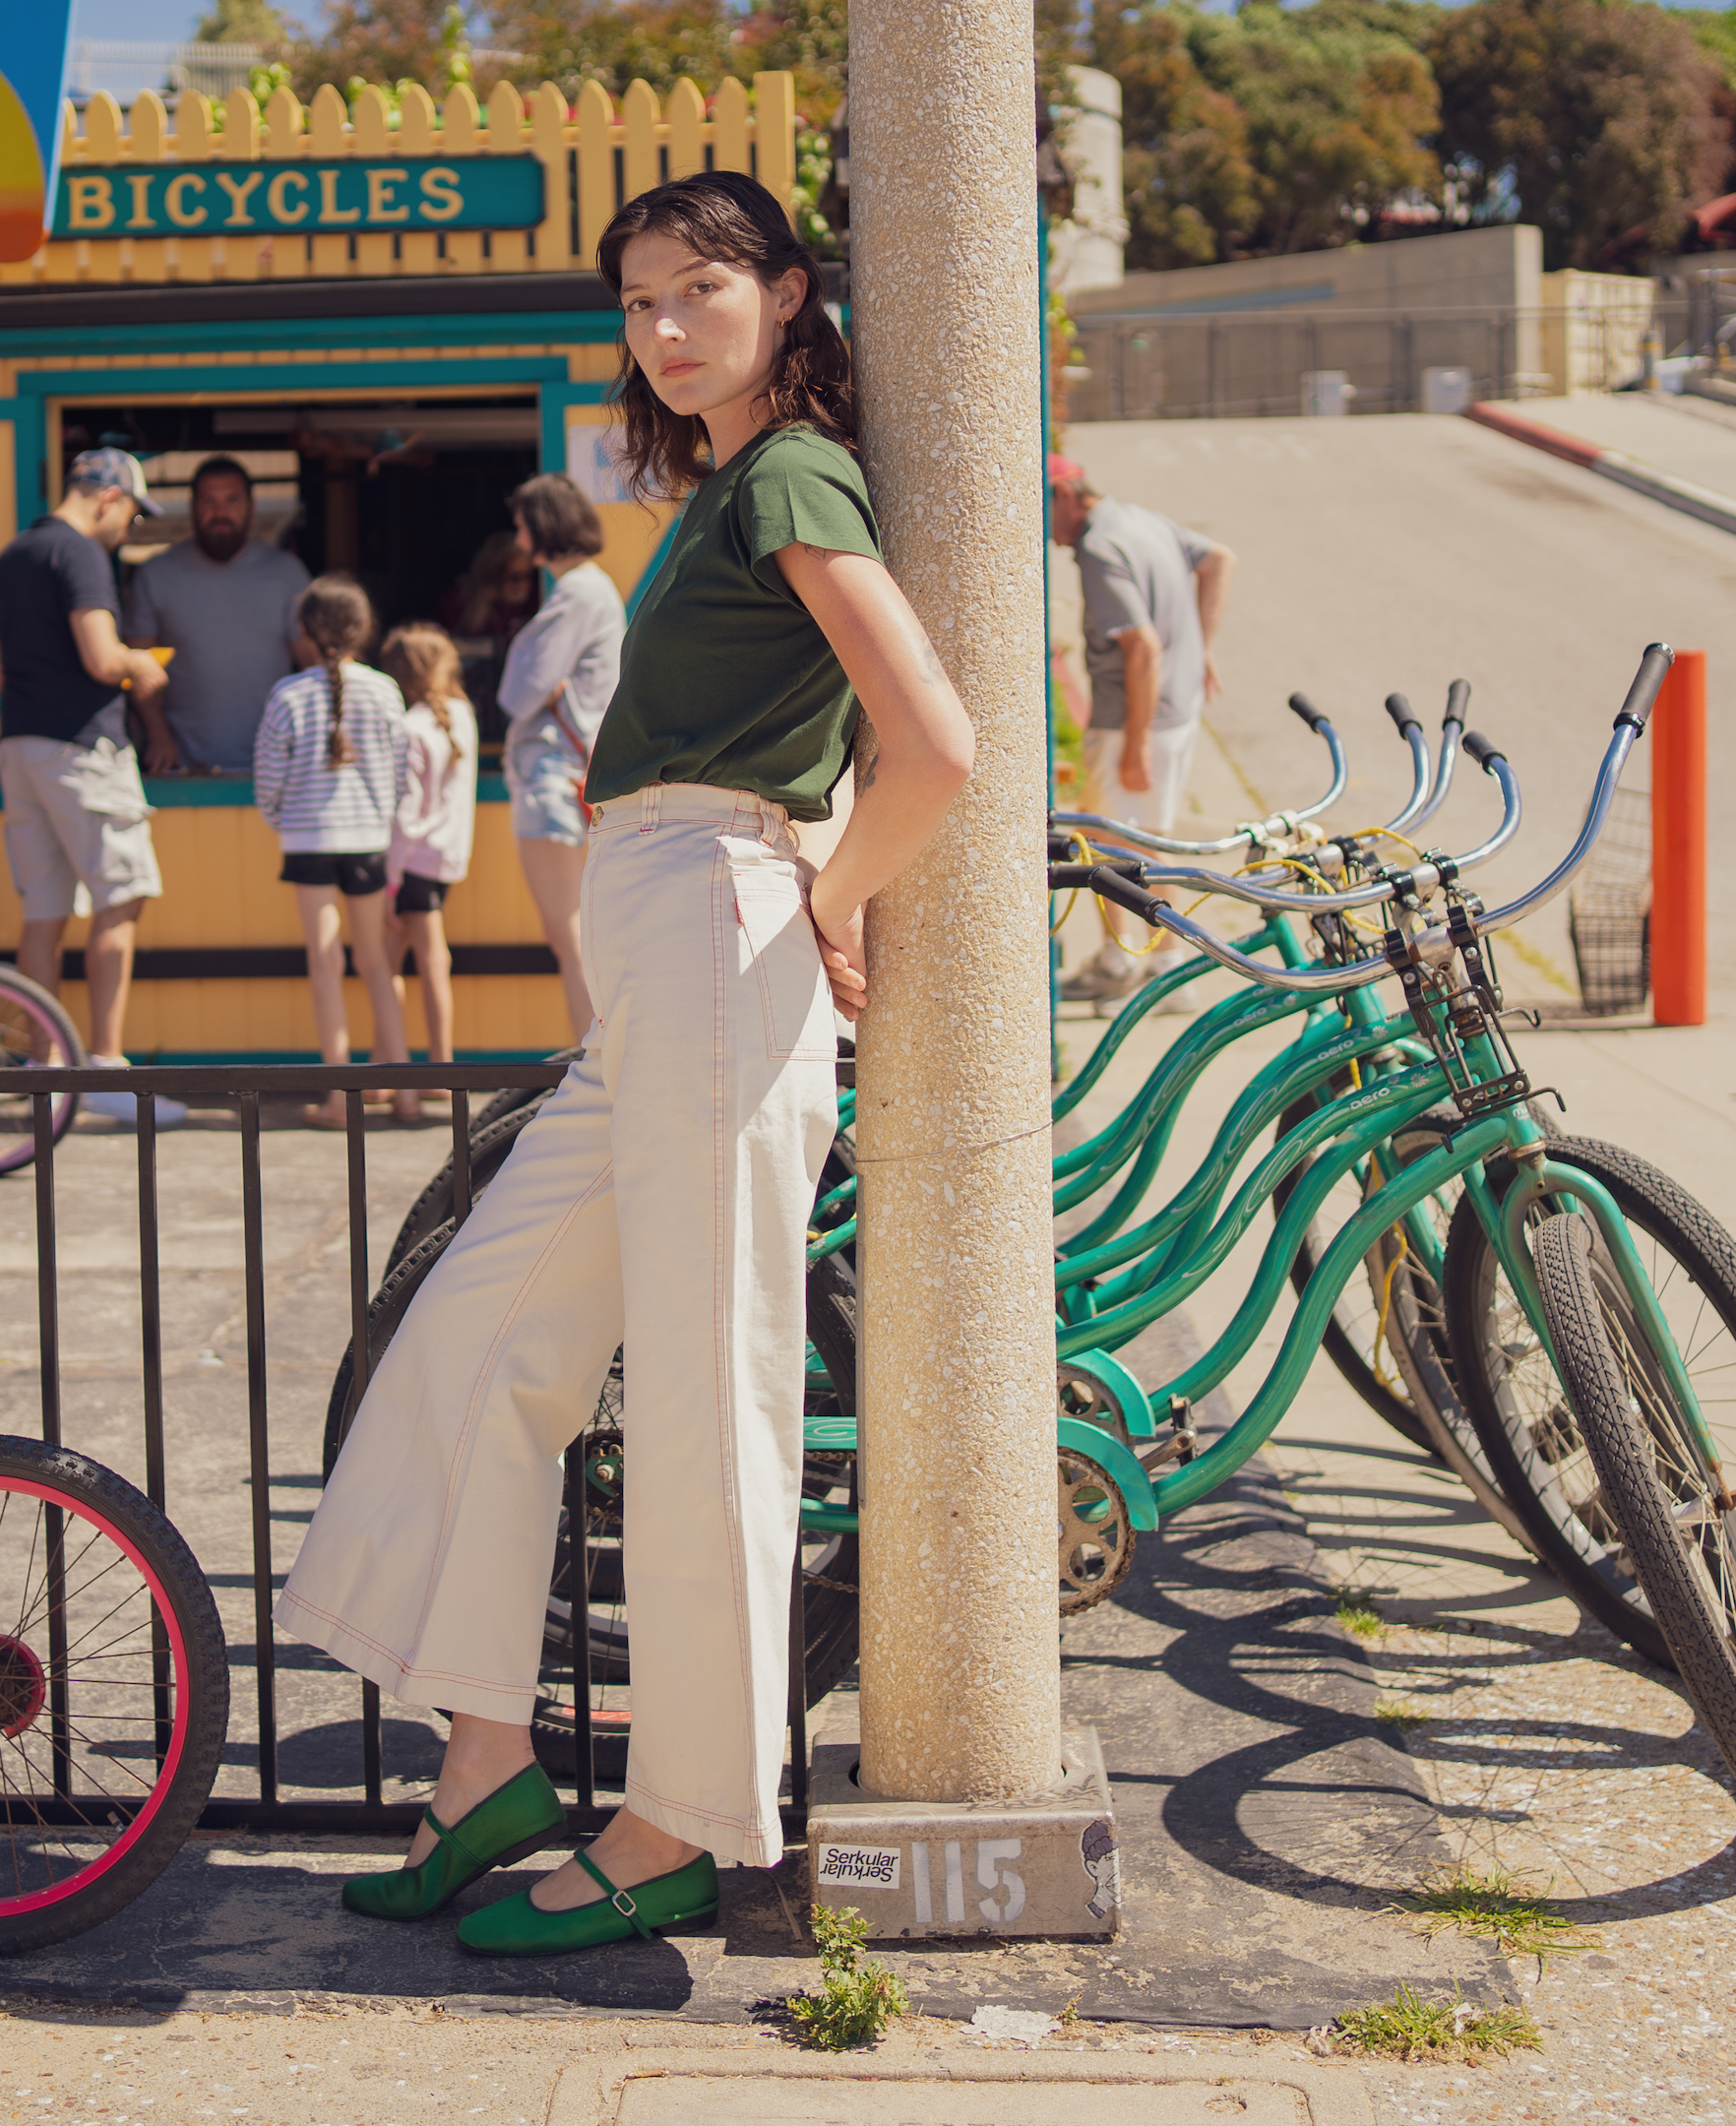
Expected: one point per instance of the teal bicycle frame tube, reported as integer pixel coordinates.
(1275, 1394)
(1379, 1116)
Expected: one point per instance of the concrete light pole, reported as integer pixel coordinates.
(961, 1690)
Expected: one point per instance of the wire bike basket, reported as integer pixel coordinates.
(1609, 910)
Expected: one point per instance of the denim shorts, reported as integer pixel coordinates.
(542, 779)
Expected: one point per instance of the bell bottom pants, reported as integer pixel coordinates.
(659, 1200)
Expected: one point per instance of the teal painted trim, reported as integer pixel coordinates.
(273, 379)
(231, 336)
(1136, 1410)
(30, 424)
(556, 398)
(652, 565)
(170, 794)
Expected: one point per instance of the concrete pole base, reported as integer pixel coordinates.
(1046, 1866)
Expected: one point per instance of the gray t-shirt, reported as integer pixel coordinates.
(572, 644)
(1136, 570)
(231, 625)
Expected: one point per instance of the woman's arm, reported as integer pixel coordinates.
(271, 763)
(925, 755)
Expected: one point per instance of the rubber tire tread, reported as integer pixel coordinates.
(1698, 1241)
(207, 1683)
(1622, 1453)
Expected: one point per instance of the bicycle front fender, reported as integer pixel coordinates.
(1116, 1461)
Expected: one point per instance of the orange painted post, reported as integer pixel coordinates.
(1678, 845)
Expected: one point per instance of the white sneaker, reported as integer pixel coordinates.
(123, 1107)
(1096, 982)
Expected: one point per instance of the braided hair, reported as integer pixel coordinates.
(337, 618)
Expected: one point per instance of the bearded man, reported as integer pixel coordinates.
(226, 604)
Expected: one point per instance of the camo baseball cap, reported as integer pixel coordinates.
(110, 468)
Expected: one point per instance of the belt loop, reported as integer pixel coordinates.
(650, 807)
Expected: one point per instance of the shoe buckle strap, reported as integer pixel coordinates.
(624, 1905)
(619, 1899)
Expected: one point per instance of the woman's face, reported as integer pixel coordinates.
(703, 331)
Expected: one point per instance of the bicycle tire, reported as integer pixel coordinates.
(129, 1577)
(1345, 1340)
(1515, 1400)
(1683, 1561)
(32, 1021)
(829, 1622)
(437, 1205)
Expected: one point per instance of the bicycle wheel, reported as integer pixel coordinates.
(1672, 1509)
(1527, 1425)
(33, 1030)
(114, 1694)
(437, 1205)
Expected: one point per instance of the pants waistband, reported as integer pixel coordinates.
(690, 803)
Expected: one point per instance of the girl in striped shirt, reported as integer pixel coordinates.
(329, 765)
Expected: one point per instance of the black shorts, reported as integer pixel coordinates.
(419, 895)
(355, 877)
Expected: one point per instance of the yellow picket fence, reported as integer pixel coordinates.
(594, 159)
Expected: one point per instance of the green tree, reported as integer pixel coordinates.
(1715, 34)
(387, 42)
(1588, 117)
(572, 41)
(1268, 131)
(242, 21)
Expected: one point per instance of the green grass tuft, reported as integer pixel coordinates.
(1357, 1617)
(1390, 1714)
(857, 1997)
(1410, 2027)
(1518, 1919)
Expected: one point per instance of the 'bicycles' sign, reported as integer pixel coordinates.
(338, 197)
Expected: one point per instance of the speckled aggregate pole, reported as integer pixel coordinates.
(961, 1687)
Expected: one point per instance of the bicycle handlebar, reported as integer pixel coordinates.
(1481, 750)
(1458, 694)
(1402, 715)
(1452, 723)
(1311, 716)
(1654, 668)
(1435, 942)
(1280, 825)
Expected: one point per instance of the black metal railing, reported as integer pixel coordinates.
(244, 1085)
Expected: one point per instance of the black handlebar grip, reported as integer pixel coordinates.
(1458, 694)
(1125, 894)
(1402, 714)
(1311, 716)
(1482, 750)
(1643, 694)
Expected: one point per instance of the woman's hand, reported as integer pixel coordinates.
(841, 954)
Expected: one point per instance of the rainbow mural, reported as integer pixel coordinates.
(32, 85)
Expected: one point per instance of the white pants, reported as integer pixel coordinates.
(1169, 759)
(660, 1199)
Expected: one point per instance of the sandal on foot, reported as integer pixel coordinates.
(517, 1820)
(516, 1926)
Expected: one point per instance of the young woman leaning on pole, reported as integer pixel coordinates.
(661, 1197)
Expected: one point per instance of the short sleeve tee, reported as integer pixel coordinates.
(47, 573)
(726, 678)
(1136, 570)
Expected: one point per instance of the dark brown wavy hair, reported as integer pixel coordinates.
(725, 215)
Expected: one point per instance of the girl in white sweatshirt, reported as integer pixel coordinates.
(436, 816)
(329, 768)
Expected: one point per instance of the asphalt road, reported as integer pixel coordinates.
(1406, 551)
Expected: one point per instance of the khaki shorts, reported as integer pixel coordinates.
(1169, 756)
(75, 816)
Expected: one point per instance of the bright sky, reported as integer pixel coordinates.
(173, 20)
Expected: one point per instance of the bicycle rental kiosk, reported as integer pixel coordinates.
(390, 318)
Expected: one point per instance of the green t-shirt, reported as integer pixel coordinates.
(725, 678)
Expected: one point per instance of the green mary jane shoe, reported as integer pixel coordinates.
(518, 1819)
(685, 1897)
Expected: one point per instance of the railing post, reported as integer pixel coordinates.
(1678, 845)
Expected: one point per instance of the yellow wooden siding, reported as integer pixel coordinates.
(221, 887)
(584, 140)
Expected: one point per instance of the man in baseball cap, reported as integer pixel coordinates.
(76, 815)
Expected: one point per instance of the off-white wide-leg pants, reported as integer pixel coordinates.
(660, 1200)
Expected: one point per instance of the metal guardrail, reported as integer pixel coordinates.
(245, 1084)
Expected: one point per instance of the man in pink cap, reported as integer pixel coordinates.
(1154, 593)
